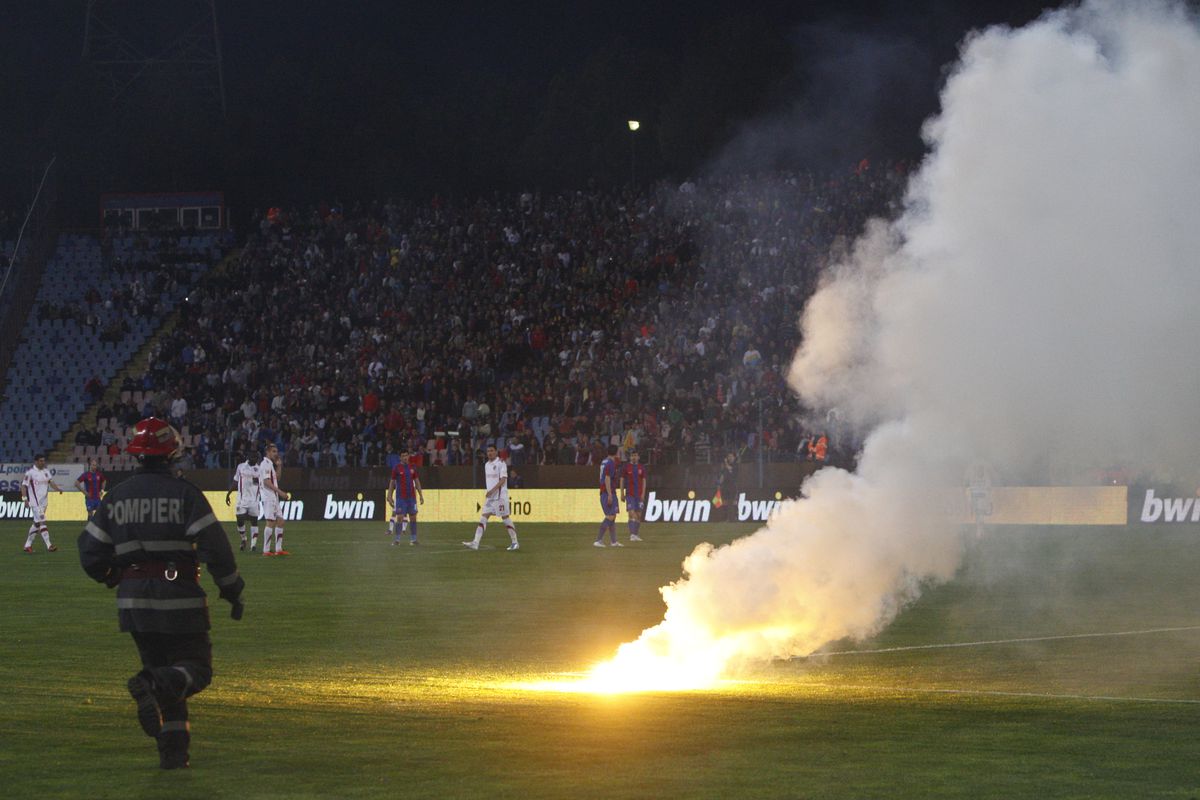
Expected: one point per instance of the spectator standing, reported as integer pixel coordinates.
(309, 444)
(727, 488)
(516, 451)
(818, 448)
(179, 410)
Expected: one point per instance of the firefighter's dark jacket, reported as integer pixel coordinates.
(158, 520)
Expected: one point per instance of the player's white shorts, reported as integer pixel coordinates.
(39, 514)
(496, 506)
(270, 507)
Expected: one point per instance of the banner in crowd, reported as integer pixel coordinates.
(1009, 505)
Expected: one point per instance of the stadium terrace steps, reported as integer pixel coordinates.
(66, 450)
(59, 350)
(134, 367)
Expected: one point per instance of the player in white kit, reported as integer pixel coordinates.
(35, 492)
(978, 480)
(271, 495)
(495, 502)
(245, 480)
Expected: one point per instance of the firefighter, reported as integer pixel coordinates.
(148, 539)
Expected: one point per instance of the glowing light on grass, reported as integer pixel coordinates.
(637, 667)
(674, 656)
(680, 657)
(822, 569)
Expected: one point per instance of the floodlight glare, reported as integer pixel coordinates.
(634, 124)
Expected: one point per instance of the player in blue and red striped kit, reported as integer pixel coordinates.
(92, 484)
(403, 492)
(609, 480)
(633, 486)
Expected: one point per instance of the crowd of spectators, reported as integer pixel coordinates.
(159, 271)
(550, 324)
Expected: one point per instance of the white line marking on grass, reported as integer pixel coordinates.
(1002, 693)
(441, 548)
(438, 549)
(340, 544)
(987, 642)
(459, 549)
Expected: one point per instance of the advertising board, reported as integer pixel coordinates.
(1163, 505)
(1010, 505)
(64, 475)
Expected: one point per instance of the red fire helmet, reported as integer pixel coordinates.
(154, 437)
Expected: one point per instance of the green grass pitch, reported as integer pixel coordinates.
(368, 671)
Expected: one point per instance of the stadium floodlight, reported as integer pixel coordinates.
(633, 127)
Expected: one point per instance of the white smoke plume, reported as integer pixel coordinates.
(1034, 304)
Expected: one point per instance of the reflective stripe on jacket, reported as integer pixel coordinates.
(156, 517)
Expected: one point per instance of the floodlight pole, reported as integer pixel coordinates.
(122, 46)
(633, 129)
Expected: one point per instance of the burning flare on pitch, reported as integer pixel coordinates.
(660, 661)
(657, 662)
(822, 569)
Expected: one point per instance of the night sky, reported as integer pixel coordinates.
(371, 98)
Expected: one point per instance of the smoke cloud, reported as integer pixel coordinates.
(854, 92)
(1032, 305)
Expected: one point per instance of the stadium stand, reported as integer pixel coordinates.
(99, 301)
(548, 325)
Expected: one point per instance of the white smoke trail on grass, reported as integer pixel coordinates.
(1036, 303)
